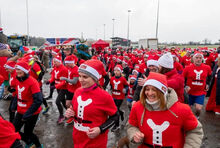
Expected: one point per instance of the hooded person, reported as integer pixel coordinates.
(174, 79)
(93, 109)
(160, 120)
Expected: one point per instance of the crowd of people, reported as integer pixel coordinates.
(164, 90)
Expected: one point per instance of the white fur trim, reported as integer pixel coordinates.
(91, 70)
(9, 67)
(198, 54)
(22, 68)
(156, 84)
(117, 68)
(152, 62)
(70, 62)
(54, 52)
(132, 78)
(57, 60)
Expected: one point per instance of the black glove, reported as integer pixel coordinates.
(11, 89)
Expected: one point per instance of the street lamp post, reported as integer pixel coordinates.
(27, 22)
(128, 28)
(157, 18)
(104, 31)
(113, 29)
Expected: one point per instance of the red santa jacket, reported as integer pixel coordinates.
(73, 72)
(24, 91)
(13, 81)
(139, 60)
(130, 91)
(7, 134)
(208, 60)
(163, 128)
(57, 72)
(178, 67)
(92, 106)
(196, 78)
(143, 68)
(186, 60)
(118, 84)
(176, 81)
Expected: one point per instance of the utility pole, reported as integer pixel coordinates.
(113, 27)
(28, 43)
(157, 18)
(128, 27)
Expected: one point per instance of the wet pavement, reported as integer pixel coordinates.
(52, 135)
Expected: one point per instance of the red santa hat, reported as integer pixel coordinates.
(140, 52)
(22, 65)
(26, 49)
(135, 70)
(55, 51)
(198, 53)
(157, 80)
(152, 61)
(166, 61)
(118, 67)
(133, 77)
(58, 59)
(92, 68)
(70, 59)
(10, 64)
(146, 55)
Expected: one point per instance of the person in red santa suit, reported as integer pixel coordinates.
(72, 80)
(29, 100)
(197, 77)
(139, 59)
(131, 89)
(186, 60)
(174, 79)
(59, 71)
(160, 120)
(208, 59)
(119, 87)
(213, 103)
(93, 109)
(10, 68)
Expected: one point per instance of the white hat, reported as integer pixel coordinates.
(166, 61)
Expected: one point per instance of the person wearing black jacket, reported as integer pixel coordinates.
(213, 103)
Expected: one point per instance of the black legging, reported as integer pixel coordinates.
(28, 136)
(17, 144)
(44, 100)
(61, 99)
(118, 104)
(11, 111)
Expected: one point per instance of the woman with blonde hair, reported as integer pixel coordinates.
(160, 120)
(214, 90)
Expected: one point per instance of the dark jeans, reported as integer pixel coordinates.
(61, 100)
(118, 105)
(11, 111)
(28, 136)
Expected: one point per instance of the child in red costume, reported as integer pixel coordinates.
(119, 87)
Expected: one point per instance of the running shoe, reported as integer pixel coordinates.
(217, 113)
(60, 120)
(45, 110)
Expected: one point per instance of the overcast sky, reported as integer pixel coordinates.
(179, 20)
